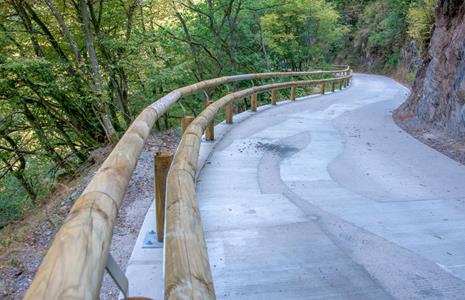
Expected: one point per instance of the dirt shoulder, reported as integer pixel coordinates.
(427, 134)
(23, 244)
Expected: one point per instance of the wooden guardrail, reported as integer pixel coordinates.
(187, 269)
(74, 265)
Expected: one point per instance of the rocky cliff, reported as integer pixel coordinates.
(438, 96)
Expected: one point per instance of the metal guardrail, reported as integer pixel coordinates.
(74, 265)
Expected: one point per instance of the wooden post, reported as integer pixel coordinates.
(83, 241)
(162, 165)
(185, 122)
(332, 86)
(323, 88)
(273, 97)
(254, 102)
(229, 113)
(210, 130)
(293, 93)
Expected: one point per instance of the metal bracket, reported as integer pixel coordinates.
(151, 241)
(117, 275)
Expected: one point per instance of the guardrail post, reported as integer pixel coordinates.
(332, 86)
(84, 239)
(293, 93)
(229, 113)
(162, 165)
(323, 88)
(273, 97)
(117, 275)
(210, 130)
(253, 103)
(185, 122)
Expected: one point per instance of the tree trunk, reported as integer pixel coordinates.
(102, 107)
(19, 171)
(59, 161)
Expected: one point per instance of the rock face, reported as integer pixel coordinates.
(438, 95)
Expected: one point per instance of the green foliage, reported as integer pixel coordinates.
(56, 89)
(420, 19)
(14, 201)
(303, 32)
(380, 30)
(59, 80)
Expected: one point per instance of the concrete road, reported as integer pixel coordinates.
(327, 198)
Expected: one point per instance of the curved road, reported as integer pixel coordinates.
(326, 198)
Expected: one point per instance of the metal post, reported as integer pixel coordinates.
(117, 275)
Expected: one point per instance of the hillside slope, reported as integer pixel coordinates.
(438, 95)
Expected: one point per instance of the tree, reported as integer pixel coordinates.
(73, 74)
(303, 32)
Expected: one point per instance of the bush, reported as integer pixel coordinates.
(420, 19)
(14, 201)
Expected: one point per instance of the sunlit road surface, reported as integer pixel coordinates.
(326, 198)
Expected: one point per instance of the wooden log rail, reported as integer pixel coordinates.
(187, 269)
(74, 265)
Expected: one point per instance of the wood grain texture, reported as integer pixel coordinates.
(273, 97)
(293, 93)
(187, 268)
(210, 130)
(229, 113)
(253, 104)
(162, 163)
(74, 264)
(185, 122)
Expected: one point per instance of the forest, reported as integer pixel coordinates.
(75, 73)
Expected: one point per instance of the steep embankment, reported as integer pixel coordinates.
(23, 244)
(436, 105)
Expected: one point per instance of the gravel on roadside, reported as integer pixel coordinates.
(20, 256)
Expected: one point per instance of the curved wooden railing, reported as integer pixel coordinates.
(74, 265)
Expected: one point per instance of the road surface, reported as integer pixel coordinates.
(326, 198)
